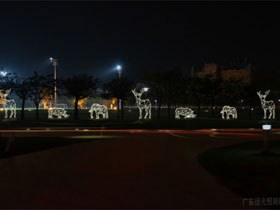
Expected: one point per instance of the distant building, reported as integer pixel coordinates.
(242, 72)
(209, 69)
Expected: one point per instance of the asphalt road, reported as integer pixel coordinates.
(119, 169)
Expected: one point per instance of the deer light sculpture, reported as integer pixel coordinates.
(142, 104)
(267, 105)
(8, 104)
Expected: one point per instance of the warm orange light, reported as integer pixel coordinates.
(81, 102)
(114, 100)
(47, 95)
(44, 102)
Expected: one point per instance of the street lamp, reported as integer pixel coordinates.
(266, 133)
(119, 69)
(146, 89)
(3, 73)
(54, 62)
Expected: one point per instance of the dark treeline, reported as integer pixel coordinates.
(166, 88)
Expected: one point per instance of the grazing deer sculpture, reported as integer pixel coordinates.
(267, 105)
(185, 112)
(142, 104)
(8, 104)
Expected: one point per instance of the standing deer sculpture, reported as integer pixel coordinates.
(142, 104)
(267, 105)
(8, 104)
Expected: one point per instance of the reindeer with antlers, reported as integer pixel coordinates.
(8, 104)
(142, 104)
(267, 105)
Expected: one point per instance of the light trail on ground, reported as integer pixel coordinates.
(139, 131)
(237, 129)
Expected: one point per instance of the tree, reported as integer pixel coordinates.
(155, 81)
(37, 85)
(174, 88)
(249, 95)
(168, 87)
(211, 88)
(196, 88)
(47, 96)
(22, 89)
(231, 91)
(80, 87)
(7, 82)
(118, 88)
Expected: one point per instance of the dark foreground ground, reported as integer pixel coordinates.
(120, 170)
(245, 170)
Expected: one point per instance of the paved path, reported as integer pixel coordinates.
(131, 171)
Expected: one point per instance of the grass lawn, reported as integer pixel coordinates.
(244, 170)
(131, 121)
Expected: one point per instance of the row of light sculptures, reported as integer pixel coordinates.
(227, 112)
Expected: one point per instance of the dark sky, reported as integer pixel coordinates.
(93, 37)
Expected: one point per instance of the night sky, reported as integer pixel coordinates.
(93, 37)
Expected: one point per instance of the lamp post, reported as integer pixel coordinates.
(54, 62)
(2, 72)
(119, 69)
(266, 133)
(146, 89)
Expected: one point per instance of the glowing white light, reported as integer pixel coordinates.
(146, 89)
(252, 109)
(278, 100)
(8, 104)
(119, 67)
(51, 59)
(3, 73)
(142, 104)
(267, 105)
(185, 112)
(229, 111)
(99, 110)
(266, 127)
(59, 112)
(155, 100)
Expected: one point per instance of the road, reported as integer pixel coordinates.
(128, 169)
